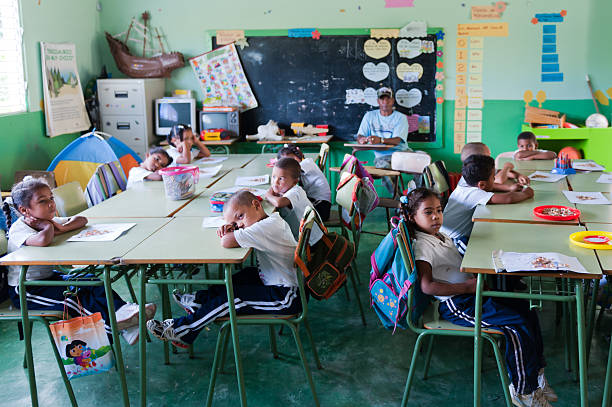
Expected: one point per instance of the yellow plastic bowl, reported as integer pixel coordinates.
(578, 239)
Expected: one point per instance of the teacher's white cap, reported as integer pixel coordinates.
(382, 92)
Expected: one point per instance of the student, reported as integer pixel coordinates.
(157, 158)
(479, 175)
(271, 288)
(438, 263)
(37, 227)
(503, 178)
(528, 148)
(289, 198)
(313, 180)
(184, 145)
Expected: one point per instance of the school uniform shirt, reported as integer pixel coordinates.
(394, 125)
(299, 202)
(274, 247)
(460, 208)
(137, 175)
(18, 234)
(314, 181)
(442, 256)
(174, 153)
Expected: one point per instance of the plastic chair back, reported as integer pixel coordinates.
(69, 199)
(321, 160)
(507, 154)
(107, 181)
(47, 176)
(406, 161)
(436, 178)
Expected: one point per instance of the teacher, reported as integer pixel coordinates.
(384, 126)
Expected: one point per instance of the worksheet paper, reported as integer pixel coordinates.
(546, 176)
(605, 178)
(255, 191)
(101, 232)
(209, 160)
(587, 165)
(588, 198)
(207, 172)
(253, 181)
(213, 222)
(548, 262)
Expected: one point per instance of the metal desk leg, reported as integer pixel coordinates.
(591, 317)
(27, 333)
(115, 332)
(582, 368)
(234, 329)
(142, 342)
(607, 393)
(478, 341)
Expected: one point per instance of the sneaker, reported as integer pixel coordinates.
(165, 331)
(186, 301)
(534, 399)
(131, 335)
(548, 391)
(127, 315)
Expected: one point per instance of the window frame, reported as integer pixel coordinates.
(24, 108)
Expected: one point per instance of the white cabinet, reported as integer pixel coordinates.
(127, 110)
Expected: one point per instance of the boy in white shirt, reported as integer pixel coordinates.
(270, 288)
(289, 198)
(157, 158)
(528, 148)
(184, 145)
(479, 174)
(503, 178)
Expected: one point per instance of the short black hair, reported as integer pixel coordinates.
(162, 151)
(291, 165)
(177, 131)
(477, 168)
(526, 135)
(291, 149)
(73, 345)
(242, 198)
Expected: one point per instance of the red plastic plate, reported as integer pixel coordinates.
(539, 212)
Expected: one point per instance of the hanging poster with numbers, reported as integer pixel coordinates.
(64, 104)
(222, 79)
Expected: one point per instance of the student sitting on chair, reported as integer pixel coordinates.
(528, 148)
(157, 158)
(438, 263)
(479, 174)
(313, 180)
(270, 289)
(37, 227)
(184, 145)
(289, 198)
(506, 179)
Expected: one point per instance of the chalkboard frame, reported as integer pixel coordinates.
(439, 111)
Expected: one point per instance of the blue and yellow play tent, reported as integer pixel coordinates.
(80, 159)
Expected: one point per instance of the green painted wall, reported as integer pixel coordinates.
(22, 136)
(600, 50)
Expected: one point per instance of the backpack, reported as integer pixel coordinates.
(355, 177)
(390, 282)
(326, 261)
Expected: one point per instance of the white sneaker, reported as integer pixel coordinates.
(127, 315)
(186, 301)
(548, 391)
(165, 331)
(131, 335)
(535, 399)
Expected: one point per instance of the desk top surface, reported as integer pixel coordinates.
(524, 165)
(604, 256)
(587, 182)
(298, 140)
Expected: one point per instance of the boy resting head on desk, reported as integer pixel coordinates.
(271, 288)
(504, 178)
(157, 158)
(479, 174)
(528, 148)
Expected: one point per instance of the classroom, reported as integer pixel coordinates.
(326, 203)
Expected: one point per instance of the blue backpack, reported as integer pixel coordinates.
(390, 283)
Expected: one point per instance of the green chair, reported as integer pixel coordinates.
(433, 326)
(69, 199)
(435, 178)
(321, 159)
(290, 321)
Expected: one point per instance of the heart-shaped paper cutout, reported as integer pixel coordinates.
(409, 49)
(375, 72)
(370, 96)
(377, 49)
(408, 98)
(407, 72)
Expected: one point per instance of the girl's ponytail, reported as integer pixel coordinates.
(8, 215)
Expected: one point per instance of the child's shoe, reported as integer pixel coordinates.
(534, 399)
(548, 391)
(127, 315)
(186, 301)
(165, 331)
(131, 334)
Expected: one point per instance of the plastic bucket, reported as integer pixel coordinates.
(179, 182)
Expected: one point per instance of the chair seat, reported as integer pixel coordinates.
(381, 172)
(9, 311)
(388, 203)
(333, 221)
(258, 317)
(432, 320)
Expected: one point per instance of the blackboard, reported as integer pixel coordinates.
(305, 80)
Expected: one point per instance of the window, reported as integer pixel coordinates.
(12, 79)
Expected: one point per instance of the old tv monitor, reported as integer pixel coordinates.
(171, 111)
(220, 117)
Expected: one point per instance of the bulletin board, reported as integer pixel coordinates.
(318, 81)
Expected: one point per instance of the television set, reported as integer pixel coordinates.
(220, 117)
(171, 111)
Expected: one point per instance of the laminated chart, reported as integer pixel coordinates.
(550, 57)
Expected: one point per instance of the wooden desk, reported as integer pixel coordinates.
(222, 144)
(232, 161)
(526, 165)
(295, 140)
(587, 182)
(542, 186)
(190, 244)
(363, 147)
(596, 213)
(487, 237)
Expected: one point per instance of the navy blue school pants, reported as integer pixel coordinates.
(251, 297)
(520, 325)
(93, 299)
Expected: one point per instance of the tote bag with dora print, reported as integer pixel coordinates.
(83, 345)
